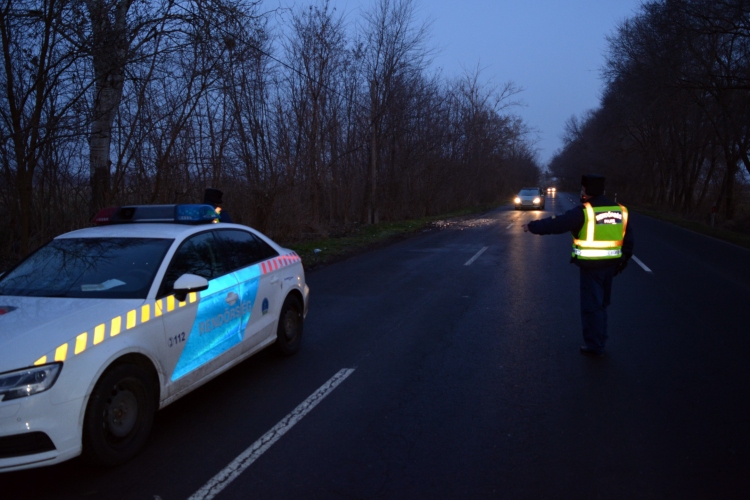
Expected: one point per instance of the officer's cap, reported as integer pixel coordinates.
(593, 184)
(213, 196)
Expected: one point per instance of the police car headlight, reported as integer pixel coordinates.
(537, 201)
(517, 200)
(22, 383)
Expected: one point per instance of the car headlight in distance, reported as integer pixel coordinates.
(537, 200)
(22, 383)
(517, 200)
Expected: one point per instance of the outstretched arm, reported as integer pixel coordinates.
(572, 220)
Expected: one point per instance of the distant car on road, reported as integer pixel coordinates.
(551, 190)
(103, 326)
(529, 197)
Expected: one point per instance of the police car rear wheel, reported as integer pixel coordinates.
(119, 415)
(289, 333)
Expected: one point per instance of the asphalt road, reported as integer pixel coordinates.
(467, 382)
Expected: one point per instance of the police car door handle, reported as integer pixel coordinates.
(274, 280)
(232, 298)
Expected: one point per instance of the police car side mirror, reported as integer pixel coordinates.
(188, 283)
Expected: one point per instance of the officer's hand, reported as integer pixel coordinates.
(621, 267)
(525, 228)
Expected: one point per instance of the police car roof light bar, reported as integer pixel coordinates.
(104, 215)
(181, 214)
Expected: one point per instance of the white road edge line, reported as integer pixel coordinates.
(476, 256)
(250, 455)
(644, 266)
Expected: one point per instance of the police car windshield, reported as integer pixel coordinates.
(114, 268)
(529, 192)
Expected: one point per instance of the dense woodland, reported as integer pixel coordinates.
(309, 123)
(673, 128)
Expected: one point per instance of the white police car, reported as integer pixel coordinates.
(103, 326)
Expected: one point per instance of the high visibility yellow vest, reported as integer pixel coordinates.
(602, 233)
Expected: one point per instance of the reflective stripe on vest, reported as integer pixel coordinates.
(602, 233)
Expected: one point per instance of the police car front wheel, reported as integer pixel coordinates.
(289, 333)
(119, 415)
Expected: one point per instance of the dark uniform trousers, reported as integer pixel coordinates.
(596, 289)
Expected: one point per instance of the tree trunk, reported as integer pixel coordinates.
(371, 210)
(100, 143)
(109, 53)
(25, 190)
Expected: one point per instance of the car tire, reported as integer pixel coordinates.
(119, 415)
(289, 331)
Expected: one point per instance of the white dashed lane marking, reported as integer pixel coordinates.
(476, 256)
(644, 266)
(510, 226)
(250, 455)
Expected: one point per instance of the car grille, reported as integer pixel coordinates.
(25, 444)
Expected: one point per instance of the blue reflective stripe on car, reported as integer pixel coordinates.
(216, 328)
(248, 279)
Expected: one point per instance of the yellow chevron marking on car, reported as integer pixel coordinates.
(61, 352)
(99, 334)
(116, 327)
(131, 320)
(80, 342)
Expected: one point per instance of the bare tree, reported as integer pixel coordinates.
(37, 97)
(123, 33)
(316, 52)
(394, 53)
(672, 129)
(330, 127)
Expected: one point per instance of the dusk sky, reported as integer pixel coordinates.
(553, 49)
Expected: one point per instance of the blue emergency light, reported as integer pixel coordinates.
(181, 214)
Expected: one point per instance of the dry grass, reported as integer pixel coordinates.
(317, 253)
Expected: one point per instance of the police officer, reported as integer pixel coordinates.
(214, 197)
(602, 245)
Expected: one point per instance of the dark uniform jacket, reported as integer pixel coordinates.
(572, 221)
